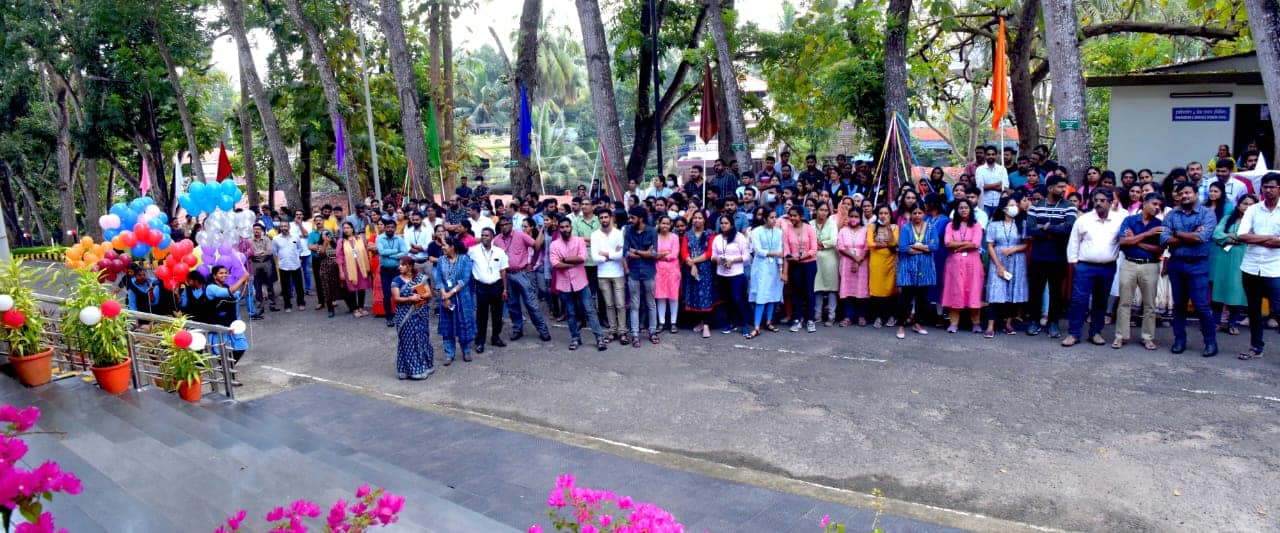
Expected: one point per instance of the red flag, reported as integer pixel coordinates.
(999, 81)
(709, 116)
(224, 164)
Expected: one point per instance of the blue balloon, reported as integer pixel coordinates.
(164, 219)
(165, 241)
(110, 234)
(146, 201)
(138, 205)
(140, 250)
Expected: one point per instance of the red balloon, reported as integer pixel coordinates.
(182, 339)
(191, 261)
(128, 239)
(140, 227)
(110, 308)
(162, 271)
(109, 254)
(14, 318)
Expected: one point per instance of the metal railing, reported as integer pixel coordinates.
(146, 351)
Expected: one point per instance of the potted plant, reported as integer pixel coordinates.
(187, 361)
(91, 320)
(23, 324)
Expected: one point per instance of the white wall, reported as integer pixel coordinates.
(1144, 135)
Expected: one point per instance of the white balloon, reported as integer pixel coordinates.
(198, 340)
(238, 327)
(6, 302)
(91, 315)
(153, 210)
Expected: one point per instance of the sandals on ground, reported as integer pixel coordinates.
(653, 338)
(751, 334)
(769, 326)
(1251, 353)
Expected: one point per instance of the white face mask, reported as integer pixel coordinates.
(1011, 211)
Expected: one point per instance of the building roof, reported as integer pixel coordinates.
(1239, 69)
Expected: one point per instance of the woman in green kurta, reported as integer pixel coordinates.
(827, 281)
(1224, 259)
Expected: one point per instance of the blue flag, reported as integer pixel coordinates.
(526, 121)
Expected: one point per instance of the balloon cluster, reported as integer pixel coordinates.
(216, 201)
(139, 227)
(181, 259)
(111, 265)
(12, 318)
(224, 256)
(204, 198)
(86, 253)
(93, 314)
(193, 341)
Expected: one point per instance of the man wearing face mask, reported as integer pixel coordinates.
(1092, 250)
(1140, 243)
(991, 179)
(391, 248)
(1187, 233)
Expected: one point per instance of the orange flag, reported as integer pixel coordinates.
(999, 81)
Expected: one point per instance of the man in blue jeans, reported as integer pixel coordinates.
(391, 248)
(1187, 233)
(640, 247)
(520, 248)
(1092, 249)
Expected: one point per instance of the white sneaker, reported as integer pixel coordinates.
(796, 326)
(810, 327)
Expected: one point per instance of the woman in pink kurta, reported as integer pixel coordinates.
(963, 277)
(666, 279)
(851, 245)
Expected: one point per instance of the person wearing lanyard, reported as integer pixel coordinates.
(391, 248)
(519, 248)
(1188, 232)
(800, 249)
(418, 237)
(1140, 242)
(1092, 250)
(489, 270)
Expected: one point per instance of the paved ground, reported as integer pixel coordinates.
(1016, 428)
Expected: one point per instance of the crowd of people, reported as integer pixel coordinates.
(1011, 246)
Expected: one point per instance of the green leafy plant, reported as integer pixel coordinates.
(107, 342)
(184, 365)
(16, 282)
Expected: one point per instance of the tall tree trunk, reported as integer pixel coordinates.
(406, 79)
(188, 128)
(275, 141)
(246, 144)
(10, 204)
(304, 153)
(449, 139)
(33, 211)
(1264, 22)
(729, 80)
(523, 175)
(66, 191)
(604, 103)
(897, 19)
(149, 147)
(329, 83)
(1022, 84)
(1068, 85)
(644, 117)
(724, 137)
(92, 198)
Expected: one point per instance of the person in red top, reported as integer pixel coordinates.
(568, 257)
(800, 248)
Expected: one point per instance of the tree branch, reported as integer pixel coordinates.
(502, 51)
(1158, 28)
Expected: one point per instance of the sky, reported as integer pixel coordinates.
(471, 29)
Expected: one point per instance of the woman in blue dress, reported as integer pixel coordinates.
(698, 283)
(768, 272)
(223, 308)
(414, 354)
(916, 243)
(452, 277)
(1007, 273)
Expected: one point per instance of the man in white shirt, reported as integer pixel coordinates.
(1092, 250)
(1233, 185)
(606, 246)
(418, 236)
(479, 222)
(489, 271)
(1260, 269)
(288, 251)
(301, 228)
(991, 178)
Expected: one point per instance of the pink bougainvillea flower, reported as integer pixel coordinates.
(388, 507)
(363, 491)
(556, 498)
(275, 515)
(564, 481)
(43, 525)
(535, 529)
(234, 521)
(826, 519)
(20, 419)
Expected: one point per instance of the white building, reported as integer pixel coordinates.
(1168, 116)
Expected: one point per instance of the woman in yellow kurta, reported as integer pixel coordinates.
(882, 246)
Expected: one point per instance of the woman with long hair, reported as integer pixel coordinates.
(908, 199)
(730, 251)
(1224, 260)
(882, 263)
(353, 268)
(827, 281)
(768, 273)
(452, 278)
(916, 273)
(223, 308)
(329, 275)
(1217, 201)
(1007, 273)
(666, 278)
(410, 292)
(962, 286)
(699, 280)
(851, 244)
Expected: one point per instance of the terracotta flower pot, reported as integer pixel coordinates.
(34, 370)
(114, 379)
(190, 390)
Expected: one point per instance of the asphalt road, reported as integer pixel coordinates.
(1015, 428)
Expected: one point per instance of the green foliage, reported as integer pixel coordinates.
(183, 365)
(17, 281)
(107, 342)
(1111, 55)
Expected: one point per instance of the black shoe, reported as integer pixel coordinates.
(479, 349)
(1210, 350)
(256, 317)
(391, 324)
(497, 341)
(515, 336)
(1033, 329)
(1179, 346)
(544, 337)
(601, 345)
(330, 314)
(274, 308)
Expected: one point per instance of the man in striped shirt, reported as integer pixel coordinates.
(1049, 227)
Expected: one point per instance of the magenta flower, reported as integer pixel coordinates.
(535, 529)
(233, 521)
(826, 519)
(362, 491)
(19, 419)
(388, 507)
(564, 481)
(275, 515)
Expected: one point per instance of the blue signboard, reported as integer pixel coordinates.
(1202, 114)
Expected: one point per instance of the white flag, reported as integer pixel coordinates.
(178, 184)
